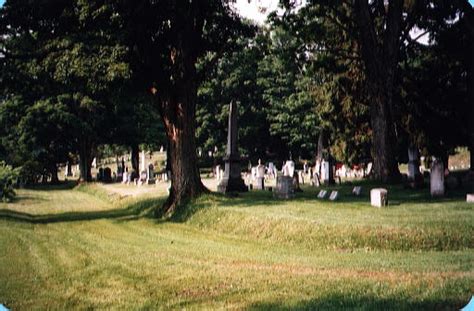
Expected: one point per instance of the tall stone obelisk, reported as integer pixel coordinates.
(232, 180)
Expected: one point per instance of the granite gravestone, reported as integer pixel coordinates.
(415, 179)
(437, 178)
(232, 180)
(284, 187)
(151, 174)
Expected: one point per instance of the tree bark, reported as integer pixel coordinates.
(178, 113)
(471, 100)
(54, 174)
(321, 145)
(85, 161)
(470, 88)
(69, 168)
(177, 94)
(381, 60)
(135, 155)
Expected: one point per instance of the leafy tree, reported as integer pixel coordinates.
(326, 91)
(286, 84)
(66, 52)
(45, 136)
(435, 91)
(136, 121)
(167, 38)
(8, 177)
(234, 78)
(379, 31)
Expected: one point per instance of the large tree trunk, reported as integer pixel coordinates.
(178, 114)
(321, 145)
(54, 174)
(69, 169)
(385, 165)
(135, 155)
(178, 111)
(320, 151)
(85, 161)
(471, 92)
(381, 61)
(470, 88)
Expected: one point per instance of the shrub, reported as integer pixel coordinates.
(8, 177)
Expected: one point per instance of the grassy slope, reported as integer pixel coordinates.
(246, 252)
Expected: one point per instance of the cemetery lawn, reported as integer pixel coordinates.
(88, 247)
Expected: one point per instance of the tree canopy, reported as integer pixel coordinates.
(77, 75)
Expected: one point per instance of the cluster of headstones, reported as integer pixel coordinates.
(332, 197)
(378, 196)
(145, 177)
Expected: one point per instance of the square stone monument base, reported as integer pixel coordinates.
(379, 197)
(228, 185)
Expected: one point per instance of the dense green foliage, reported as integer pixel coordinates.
(83, 79)
(8, 177)
(435, 92)
(235, 77)
(61, 67)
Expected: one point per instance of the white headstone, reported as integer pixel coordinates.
(291, 167)
(254, 172)
(142, 163)
(301, 177)
(334, 196)
(470, 198)
(369, 168)
(325, 167)
(260, 171)
(272, 170)
(66, 170)
(379, 197)
(317, 166)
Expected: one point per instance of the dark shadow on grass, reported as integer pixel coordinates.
(63, 185)
(140, 209)
(345, 302)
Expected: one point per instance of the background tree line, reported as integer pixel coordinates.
(345, 75)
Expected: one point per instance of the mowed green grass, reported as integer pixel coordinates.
(85, 249)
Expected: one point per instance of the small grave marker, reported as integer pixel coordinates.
(470, 198)
(357, 190)
(379, 197)
(322, 194)
(334, 196)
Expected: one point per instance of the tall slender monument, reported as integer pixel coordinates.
(232, 181)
